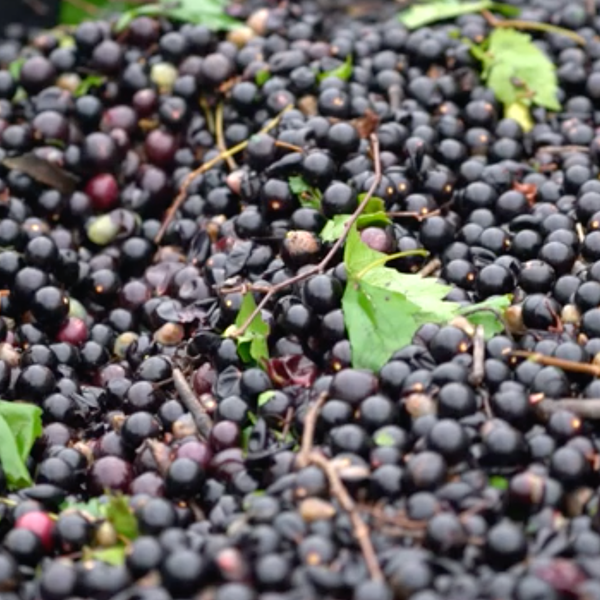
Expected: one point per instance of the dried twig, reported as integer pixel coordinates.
(221, 136)
(308, 435)
(308, 456)
(181, 196)
(586, 408)
(320, 268)
(190, 401)
(494, 21)
(478, 371)
(430, 268)
(551, 361)
(562, 149)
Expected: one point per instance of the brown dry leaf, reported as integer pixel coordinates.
(367, 124)
(43, 171)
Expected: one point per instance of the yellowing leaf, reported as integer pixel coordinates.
(517, 111)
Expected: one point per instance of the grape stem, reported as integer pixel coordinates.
(190, 401)
(494, 21)
(307, 456)
(221, 145)
(478, 371)
(586, 408)
(320, 268)
(181, 196)
(551, 361)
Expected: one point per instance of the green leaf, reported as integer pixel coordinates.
(252, 345)
(210, 13)
(335, 227)
(20, 426)
(343, 72)
(91, 81)
(384, 438)
(265, 397)
(114, 555)
(119, 513)
(308, 196)
(483, 314)
(25, 422)
(383, 308)
(500, 483)
(93, 508)
(419, 15)
(14, 68)
(374, 204)
(518, 73)
(262, 77)
(298, 185)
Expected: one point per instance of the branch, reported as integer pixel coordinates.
(586, 408)
(320, 268)
(181, 196)
(188, 398)
(308, 434)
(493, 21)
(551, 361)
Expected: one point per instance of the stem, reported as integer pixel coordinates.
(286, 146)
(221, 137)
(562, 149)
(586, 408)
(478, 372)
(189, 400)
(181, 196)
(493, 21)
(387, 258)
(431, 267)
(361, 531)
(308, 435)
(551, 361)
(320, 268)
(210, 120)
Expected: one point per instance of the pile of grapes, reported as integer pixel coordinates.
(302, 305)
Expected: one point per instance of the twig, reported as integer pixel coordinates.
(287, 423)
(493, 21)
(590, 7)
(407, 214)
(189, 400)
(181, 196)
(551, 361)
(308, 434)
(221, 136)
(320, 268)
(361, 531)
(395, 96)
(562, 149)
(586, 408)
(431, 267)
(478, 372)
(286, 146)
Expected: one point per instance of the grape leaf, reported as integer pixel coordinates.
(500, 483)
(91, 81)
(335, 227)
(92, 508)
(115, 555)
(424, 14)
(343, 72)
(518, 73)
(308, 196)
(20, 426)
(252, 345)
(119, 513)
(265, 397)
(384, 438)
(383, 307)
(519, 112)
(262, 77)
(210, 13)
(483, 314)
(14, 68)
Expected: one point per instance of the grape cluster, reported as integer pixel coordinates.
(460, 470)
